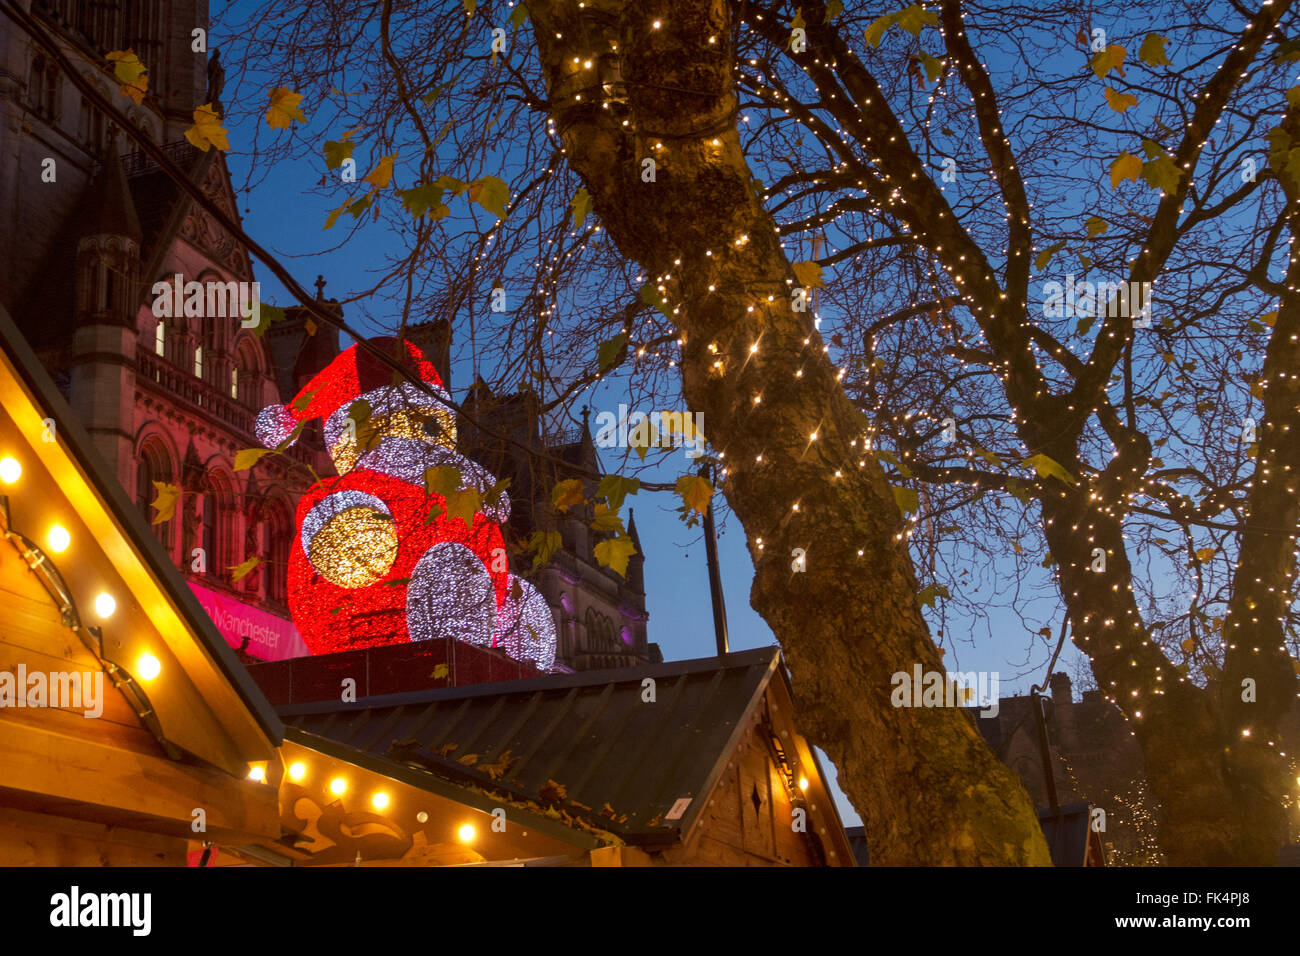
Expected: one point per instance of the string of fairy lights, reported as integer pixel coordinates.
(1114, 640)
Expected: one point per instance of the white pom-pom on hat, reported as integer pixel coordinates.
(275, 425)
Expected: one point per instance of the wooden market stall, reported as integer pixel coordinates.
(128, 728)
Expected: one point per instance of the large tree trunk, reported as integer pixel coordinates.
(928, 788)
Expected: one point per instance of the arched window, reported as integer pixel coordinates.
(153, 464)
(247, 373)
(160, 339)
(43, 88)
(279, 538)
(217, 527)
(198, 361)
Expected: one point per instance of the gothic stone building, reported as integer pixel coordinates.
(173, 400)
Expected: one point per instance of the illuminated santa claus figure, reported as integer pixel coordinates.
(378, 558)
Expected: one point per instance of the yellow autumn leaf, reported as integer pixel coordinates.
(567, 493)
(1188, 644)
(130, 73)
(1048, 467)
(207, 130)
(1205, 554)
(1111, 58)
(808, 274)
(695, 492)
(165, 503)
(248, 457)
(1127, 166)
(614, 553)
(440, 672)
(1119, 102)
(242, 570)
(284, 108)
(382, 174)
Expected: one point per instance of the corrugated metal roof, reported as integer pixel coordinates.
(592, 733)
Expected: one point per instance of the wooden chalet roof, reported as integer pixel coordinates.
(586, 743)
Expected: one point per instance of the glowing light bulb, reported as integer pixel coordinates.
(338, 786)
(297, 771)
(379, 801)
(10, 470)
(148, 667)
(466, 833)
(105, 605)
(58, 539)
(257, 773)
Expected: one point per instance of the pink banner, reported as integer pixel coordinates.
(269, 637)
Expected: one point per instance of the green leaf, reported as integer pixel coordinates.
(437, 91)
(885, 455)
(1018, 491)
(361, 205)
(1049, 468)
(336, 151)
(651, 296)
(463, 504)
(1162, 173)
(427, 198)
(518, 15)
(915, 18)
(302, 401)
(544, 544)
(443, 480)
(833, 9)
(933, 66)
(1044, 257)
(611, 352)
(1152, 51)
(1288, 51)
(581, 206)
(267, 315)
(470, 6)
(876, 31)
(606, 519)
(1096, 226)
(614, 553)
(615, 489)
(808, 274)
(491, 193)
(493, 496)
(907, 499)
(248, 457)
(930, 592)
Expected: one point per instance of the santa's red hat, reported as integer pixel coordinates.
(350, 375)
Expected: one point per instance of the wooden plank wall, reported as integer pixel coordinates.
(736, 832)
(32, 633)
